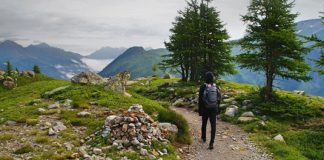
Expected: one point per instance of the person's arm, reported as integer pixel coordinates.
(200, 100)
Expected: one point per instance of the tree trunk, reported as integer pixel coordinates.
(268, 89)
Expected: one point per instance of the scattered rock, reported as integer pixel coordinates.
(88, 78)
(168, 127)
(246, 119)
(228, 100)
(67, 103)
(262, 123)
(11, 123)
(83, 114)
(35, 102)
(49, 94)
(59, 126)
(143, 152)
(231, 111)
(246, 102)
(51, 132)
(179, 103)
(54, 106)
(247, 114)
(279, 137)
(97, 151)
(41, 110)
(30, 74)
(9, 83)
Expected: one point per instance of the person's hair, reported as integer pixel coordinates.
(209, 78)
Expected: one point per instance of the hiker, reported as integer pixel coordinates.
(209, 101)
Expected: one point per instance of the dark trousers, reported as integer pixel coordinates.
(212, 119)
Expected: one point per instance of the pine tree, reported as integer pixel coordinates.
(271, 45)
(36, 69)
(9, 68)
(154, 68)
(198, 43)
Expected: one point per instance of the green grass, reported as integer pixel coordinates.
(24, 149)
(298, 118)
(15, 102)
(6, 137)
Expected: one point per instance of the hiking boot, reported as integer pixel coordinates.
(203, 140)
(211, 147)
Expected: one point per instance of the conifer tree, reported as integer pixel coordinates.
(36, 69)
(198, 43)
(9, 68)
(271, 45)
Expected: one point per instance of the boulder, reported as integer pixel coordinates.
(279, 137)
(247, 114)
(49, 94)
(231, 111)
(118, 83)
(143, 152)
(97, 151)
(9, 84)
(246, 102)
(88, 78)
(59, 126)
(228, 100)
(246, 119)
(30, 74)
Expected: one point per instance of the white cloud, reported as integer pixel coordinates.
(86, 25)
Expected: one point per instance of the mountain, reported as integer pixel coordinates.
(315, 86)
(54, 62)
(107, 53)
(137, 60)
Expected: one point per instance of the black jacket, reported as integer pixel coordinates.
(203, 111)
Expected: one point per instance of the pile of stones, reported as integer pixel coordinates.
(134, 128)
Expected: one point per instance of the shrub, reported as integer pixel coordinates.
(183, 135)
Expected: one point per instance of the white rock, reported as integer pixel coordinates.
(279, 137)
(97, 151)
(51, 132)
(245, 119)
(136, 108)
(247, 114)
(231, 112)
(83, 114)
(228, 100)
(41, 110)
(143, 152)
(59, 126)
(110, 119)
(54, 106)
(168, 127)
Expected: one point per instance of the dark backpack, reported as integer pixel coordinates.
(210, 96)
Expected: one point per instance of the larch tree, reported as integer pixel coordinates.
(271, 45)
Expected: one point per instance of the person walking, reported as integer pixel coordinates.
(209, 101)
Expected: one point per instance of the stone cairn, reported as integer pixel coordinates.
(135, 128)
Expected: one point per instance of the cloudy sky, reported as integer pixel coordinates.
(86, 25)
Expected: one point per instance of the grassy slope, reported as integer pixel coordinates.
(16, 106)
(298, 118)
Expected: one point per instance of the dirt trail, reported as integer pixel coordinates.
(231, 143)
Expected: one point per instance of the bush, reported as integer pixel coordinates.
(183, 135)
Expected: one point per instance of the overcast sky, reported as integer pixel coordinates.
(83, 26)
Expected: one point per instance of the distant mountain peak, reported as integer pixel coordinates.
(9, 43)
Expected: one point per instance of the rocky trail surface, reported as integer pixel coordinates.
(231, 143)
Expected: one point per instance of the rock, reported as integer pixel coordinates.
(88, 78)
(67, 103)
(30, 74)
(49, 94)
(11, 123)
(59, 126)
(179, 103)
(151, 156)
(228, 100)
(279, 137)
(118, 83)
(125, 127)
(247, 114)
(41, 110)
(82, 151)
(230, 111)
(2, 73)
(35, 102)
(68, 146)
(51, 132)
(143, 152)
(246, 119)
(165, 151)
(168, 127)
(97, 151)
(83, 114)
(136, 108)
(54, 106)
(135, 142)
(262, 123)
(299, 92)
(9, 83)
(246, 102)
(110, 120)
(223, 105)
